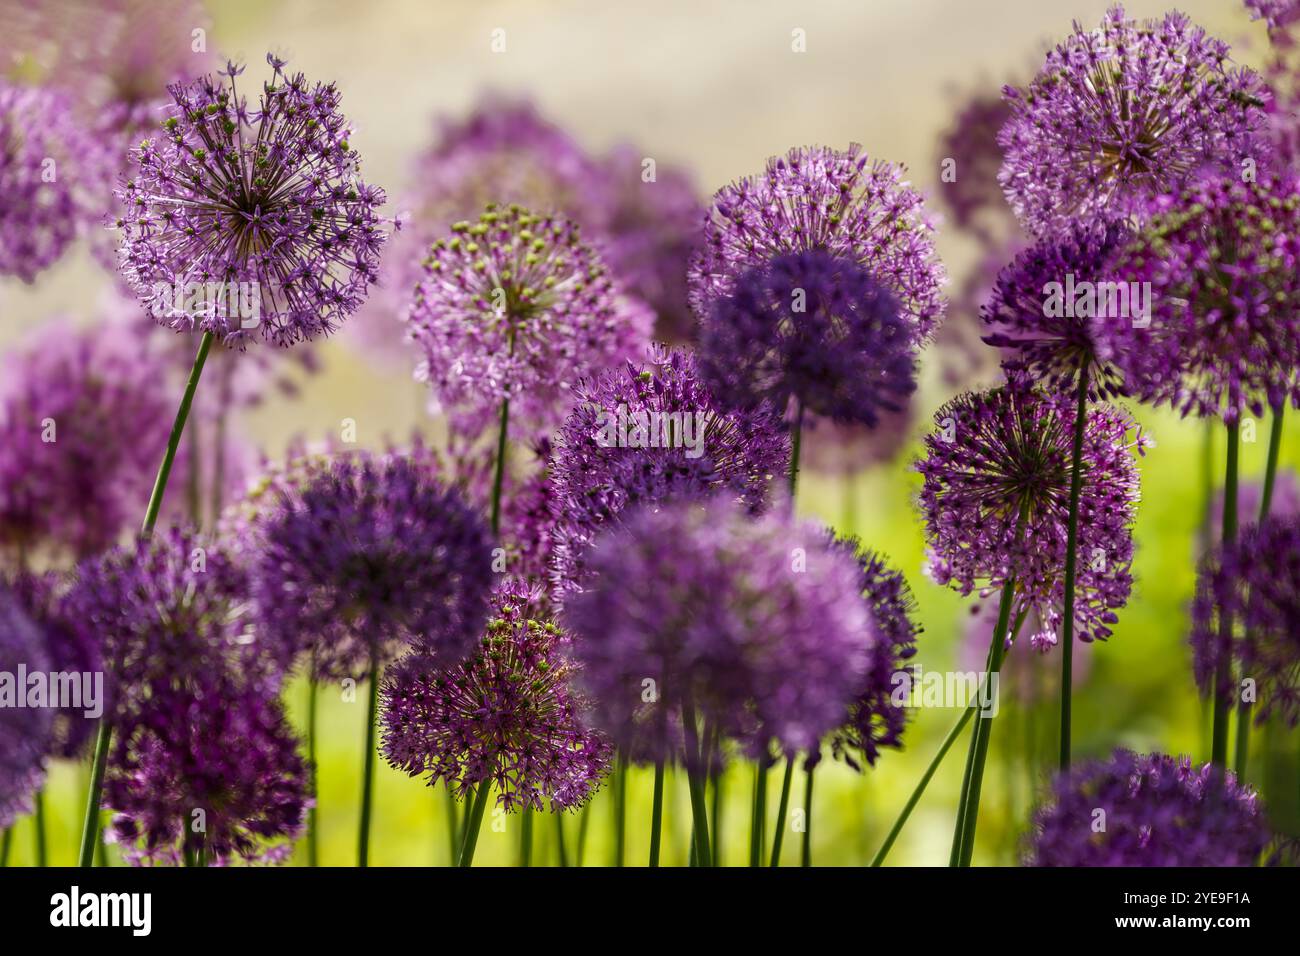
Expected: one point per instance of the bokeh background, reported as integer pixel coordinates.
(714, 86)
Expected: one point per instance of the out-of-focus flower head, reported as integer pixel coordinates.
(24, 731)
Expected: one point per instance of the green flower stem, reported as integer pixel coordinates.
(498, 478)
(1244, 706)
(620, 810)
(781, 808)
(368, 765)
(561, 847)
(805, 857)
(1071, 564)
(657, 814)
(758, 817)
(313, 839)
(1223, 677)
(526, 838)
(695, 781)
(715, 816)
(454, 834)
(38, 820)
(584, 821)
(90, 828)
(473, 823)
(796, 442)
(6, 841)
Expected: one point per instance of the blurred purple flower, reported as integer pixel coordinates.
(1147, 810)
(972, 194)
(24, 731)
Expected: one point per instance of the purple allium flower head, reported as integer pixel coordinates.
(972, 193)
(505, 716)
(168, 613)
(1050, 334)
(1257, 582)
(753, 624)
(1158, 811)
(995, 501)
(217, 748)
(265, 203)
(53, 179)
(1285, 502)
(516, 306)
(1223, 263)
(874, 720)
(811, 331)
(69, 648)
(1123, 113)
(1278, 14)
(652, 229)
(84, 417)
(650, 433)
(835, 201)
(371, 556)
(24, 731)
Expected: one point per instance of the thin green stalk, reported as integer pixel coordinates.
(474, 823)
(584, 821)
(758, 817)
(6, 841)
(526, 838)
(805, 856)
(1071, 563)
(498, 479)
(620, 810)
(695, 781)
(313, 833)
(963, 802)
(1244, 706)
(1223, 677)
(796, 442)
(983, 728)
(715, 816)
(454, 835)
(924, 782)
(38, 820)
(782, 806)
(219, 466)
(90, 828)
(657, 813)
(561, 847)
(368, 765)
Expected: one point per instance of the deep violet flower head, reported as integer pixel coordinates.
(1278, 14)
(836, 201)
(217, 749)
(24, 731)
(971, 192)
(1223, 263)
(651, 432)
(84, 417)
(69, 647)
(53, 179)
(505, 716)
(1052, 334)
(809, 331)
(995, 501)
(1254, 583)
(874, 720)
(1159, 811)
(752, 626)
(265, 203)
(1123, 113)
(372, 556)
(170, 612)
(517, 307)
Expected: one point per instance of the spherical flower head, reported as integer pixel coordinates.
(217, 750)
(517, 307)
(651, 432)
(836, 201)
(53, 175)
(752, 626)
(1157, 810)
(370, 557)
(84, 416)
(1123, 113)
(1045, 306)
(70, 649)
(1246, 617)
(505, 717)
(810, 331)
(995, 500)
(250, 222)
(1278, 14)
(972, 194)
(874, 720)
(24, 731)
(1221, 261)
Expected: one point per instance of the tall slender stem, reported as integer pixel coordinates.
(758, 817)
(715, 816)
(924, 782)
(368, 764)
(796, 442)
(695, 782)
(584, 822)
(526, 838)
(38, 820)
(474, 823)
(498, 478)
(781, 808)
(561, 846)
(620, 810)
(805, 855)
(1071, 558)
(657, 813)
(6, 841)
(959, 825)
(313, 836)
(1223, 676)
(90, 827)
(454, 836)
